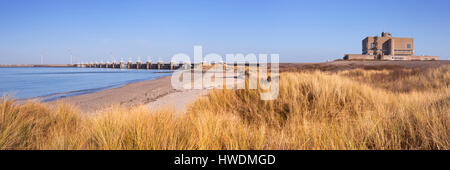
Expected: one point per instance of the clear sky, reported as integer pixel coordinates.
(300, 31)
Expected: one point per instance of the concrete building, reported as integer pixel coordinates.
(387, 47)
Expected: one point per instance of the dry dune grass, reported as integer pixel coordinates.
(403, 79)
(355, 109)
(322, 111)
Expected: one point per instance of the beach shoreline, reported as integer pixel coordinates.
(157, 94)
(131, 94)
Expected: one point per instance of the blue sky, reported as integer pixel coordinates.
(300, 31)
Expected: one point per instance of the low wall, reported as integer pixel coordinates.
(359, 57)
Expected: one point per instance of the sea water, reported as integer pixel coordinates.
(50, 83)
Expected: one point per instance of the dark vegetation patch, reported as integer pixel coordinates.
(365, 65)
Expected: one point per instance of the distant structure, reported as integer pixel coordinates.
(387, 47)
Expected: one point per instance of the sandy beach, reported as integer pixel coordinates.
(129, 95)
(156, 94)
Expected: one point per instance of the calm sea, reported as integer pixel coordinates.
(54, 83)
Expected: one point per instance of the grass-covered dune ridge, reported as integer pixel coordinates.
(351, 109)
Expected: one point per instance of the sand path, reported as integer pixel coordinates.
(181, 99)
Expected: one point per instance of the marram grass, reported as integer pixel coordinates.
(315, 110)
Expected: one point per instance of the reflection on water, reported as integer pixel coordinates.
(53, 83)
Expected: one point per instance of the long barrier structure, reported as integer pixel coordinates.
(138, 65)
(129, 65)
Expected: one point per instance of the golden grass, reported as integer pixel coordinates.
(403, 80)
(346, 110)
